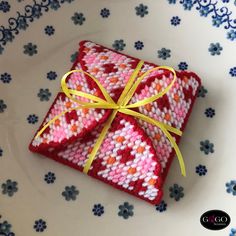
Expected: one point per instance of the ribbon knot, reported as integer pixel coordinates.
(122, 105)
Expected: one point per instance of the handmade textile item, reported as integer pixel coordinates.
(134, 155)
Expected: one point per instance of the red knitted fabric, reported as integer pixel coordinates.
(135, 156)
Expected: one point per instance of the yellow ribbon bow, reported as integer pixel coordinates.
(120, 106)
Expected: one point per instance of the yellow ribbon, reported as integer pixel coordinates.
(119, 106)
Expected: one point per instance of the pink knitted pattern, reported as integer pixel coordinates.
(135, 155)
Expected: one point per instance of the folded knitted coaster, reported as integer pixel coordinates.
(135, 156)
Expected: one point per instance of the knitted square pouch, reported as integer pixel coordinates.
(135, 156)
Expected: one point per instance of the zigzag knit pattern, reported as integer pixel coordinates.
(135, 156)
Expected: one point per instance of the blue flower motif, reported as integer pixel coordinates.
(6, 78)
(69, 1)
(204, 11)
(49, 30)
(11, 234)
(215, 49)
(176, 192)
(183, 65)
(141, 10)
(3, 106)
(1, 152)
(22, 24)
(55, 5)
(231, 35)
(175, 20)
(119, 45)
(209, 112)
(164, 53)
(202, 92)
(172, 1)
(105, 13)
(32, 119)
(1, 50)
(30, 49)
(36, 12)
(231, 187)
(40, 225)
(98, 209)
(217, 21)
(232, 71)
(70, 193)
(8, 36)
(225, 1)
(78, 18)
(187, 4)
(32, 11)
(50, 177)
(232, 232)
(201, 170)
(9, 187)
(74, 56)
(4, 6)
(139, 45)
(51, 75)
(44, 94)
(206, 147)
(126, 210)
(161, 206)
(5, 228)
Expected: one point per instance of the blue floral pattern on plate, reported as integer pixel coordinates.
(39, 14)
(70, 193)
(231, 187)
(207, 147)
(164, 53)
(5, 228)
(176, 192)
(22, 20)
(6, 78)
(162, 206)
(40, 225)
(3, 106)
(32, 119)
(221, 15)
(9, 187)
(50, 177)
(201, 170)
(98, 209)
(119, 45)
(126, 210)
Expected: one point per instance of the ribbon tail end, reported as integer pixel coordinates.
(183, 172)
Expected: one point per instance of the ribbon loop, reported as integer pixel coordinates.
(120, 106)
(67, 91)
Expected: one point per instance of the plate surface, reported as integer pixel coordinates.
(38, 42)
